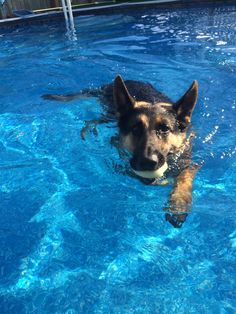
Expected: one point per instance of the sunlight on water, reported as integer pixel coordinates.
(78, 235)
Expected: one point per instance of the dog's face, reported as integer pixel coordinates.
(151, 132)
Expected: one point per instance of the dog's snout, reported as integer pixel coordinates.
(147, 163)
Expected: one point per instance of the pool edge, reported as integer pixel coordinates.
(111, 9)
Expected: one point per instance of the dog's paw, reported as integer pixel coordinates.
(176, 220)
(89, 126)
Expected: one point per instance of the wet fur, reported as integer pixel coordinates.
(154, 130)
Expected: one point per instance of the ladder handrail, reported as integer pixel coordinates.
(68, 13)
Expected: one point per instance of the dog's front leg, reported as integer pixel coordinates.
(92, 125)
(181, 197)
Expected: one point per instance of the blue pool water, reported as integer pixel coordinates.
(77, 235)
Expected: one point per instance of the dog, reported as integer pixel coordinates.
(155, 132)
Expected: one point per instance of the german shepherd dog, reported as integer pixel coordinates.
(155, 132)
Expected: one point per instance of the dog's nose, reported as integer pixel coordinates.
(151, 163)
(148, 164)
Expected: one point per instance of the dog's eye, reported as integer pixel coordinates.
(162, 128)
(137, 129)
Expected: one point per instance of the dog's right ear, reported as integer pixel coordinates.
(122, 98)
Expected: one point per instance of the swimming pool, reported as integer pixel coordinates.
(77, 234)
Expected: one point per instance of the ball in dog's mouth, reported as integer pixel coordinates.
(158, 173)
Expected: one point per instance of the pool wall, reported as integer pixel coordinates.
(110, 9)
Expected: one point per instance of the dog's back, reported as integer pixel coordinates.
(139, 90)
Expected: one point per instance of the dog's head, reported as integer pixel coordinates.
(152, 131)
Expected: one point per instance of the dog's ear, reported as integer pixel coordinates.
(122, 98)
(185, 106)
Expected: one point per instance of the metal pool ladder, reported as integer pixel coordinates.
(67, 9)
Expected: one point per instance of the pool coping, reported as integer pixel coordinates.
(111, 9)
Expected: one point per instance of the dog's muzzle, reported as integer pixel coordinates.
(152, 174)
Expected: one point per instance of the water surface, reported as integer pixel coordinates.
(77, 234)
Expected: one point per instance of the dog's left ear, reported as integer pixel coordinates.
(122, 98)
(185, 106)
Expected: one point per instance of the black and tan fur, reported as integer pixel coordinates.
(154, 130)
